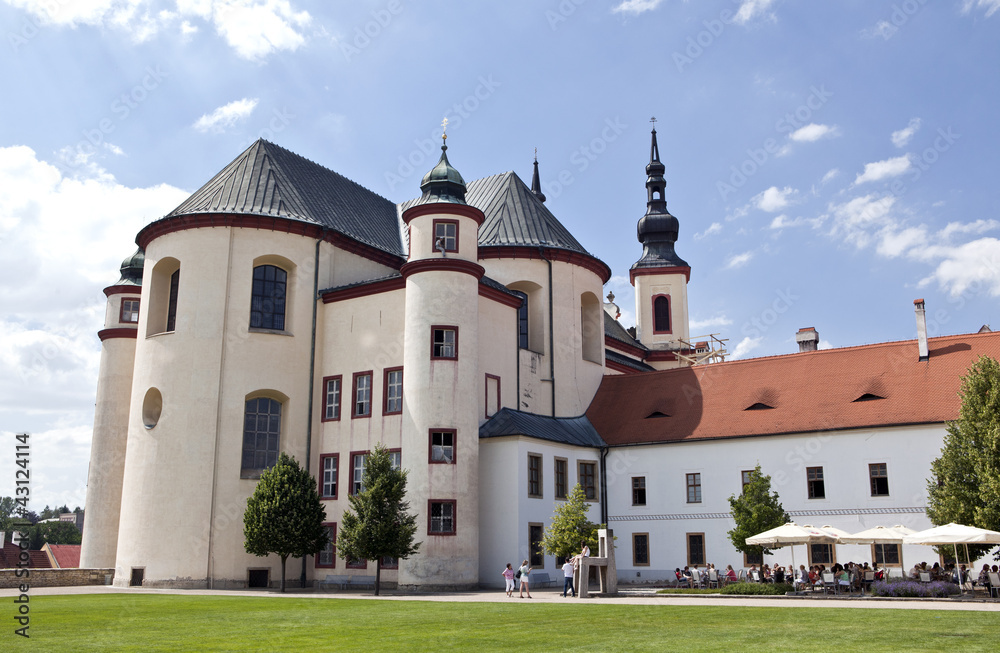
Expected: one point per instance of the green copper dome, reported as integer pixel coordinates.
(443, 183)
(131, 269)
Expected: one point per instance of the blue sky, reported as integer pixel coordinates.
(829, 162)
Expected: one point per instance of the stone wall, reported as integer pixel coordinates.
(55, 577)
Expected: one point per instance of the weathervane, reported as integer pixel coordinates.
(653, 120)
(444, 129)
(536, 155)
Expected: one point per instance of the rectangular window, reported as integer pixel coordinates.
(638, 490)
(390, 563)
(396, 458)
(640, 549)
(536, 555)
(562, 482)
(175, 283)
(328, 471)
(696, 549)
(130, 311)
(261, 436)
(587, 474)
(357, 471)
(534, 476)
(693, 488)
(331, 398)
(886, 554)
(444, 342)
(442, 446)
(362, 395)
(446, 235)
(821, 554)
(879, 478)
(522, 320)
(492, 395)
(753, 559)
(328, 556)
(814, 478)
(746, 477)
(441, 517)
(357, 564)
(393, 388)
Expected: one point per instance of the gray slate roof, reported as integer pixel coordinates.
(576, 431)
(269, 180)
(614, 329)
(613, 356)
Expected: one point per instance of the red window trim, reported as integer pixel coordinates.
(357, 564)
(336, 467)
(333, 565)
(434, 234)
(395, 566)
(454, 516)
(326, 380)
(354, 394)
(121, 309)
(430, 446)
(435, 327)
(350, 465)
(486, 408)
(670, 306)
(385, 391)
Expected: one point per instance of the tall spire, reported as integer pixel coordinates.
(657, 230)
(536, 185)
(443, 183)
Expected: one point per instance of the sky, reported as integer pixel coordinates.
(829, 162)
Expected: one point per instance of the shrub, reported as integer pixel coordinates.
(757, 589)
(903, 587)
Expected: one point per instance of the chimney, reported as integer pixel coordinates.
(918, 306)
(808, 339)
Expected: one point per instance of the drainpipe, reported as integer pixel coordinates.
(604, 487)
(552, 341)
(312, 375)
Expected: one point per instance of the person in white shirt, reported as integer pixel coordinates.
(568, 580)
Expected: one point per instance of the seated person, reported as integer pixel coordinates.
(779, 574)
(682, 580)
(753, 575)
(984, 577)
(730, 574)
(801, 577)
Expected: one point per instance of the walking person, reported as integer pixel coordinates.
(525, 587)
(568, 580)
(508, 576)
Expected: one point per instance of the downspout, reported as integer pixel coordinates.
(552, 341)
(604, 487)
(312, 375)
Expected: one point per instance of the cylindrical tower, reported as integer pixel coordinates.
(114, 389)
(441, 376)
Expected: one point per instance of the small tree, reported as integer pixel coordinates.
(377, 525)
(53, 532)
(755, 510)
(965, 481)
(570, 526)
(284, 514)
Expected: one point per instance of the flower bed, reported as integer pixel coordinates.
(902, 587)
(757, 589)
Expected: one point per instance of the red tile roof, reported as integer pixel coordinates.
(39, 560)
(805, 392)
(67, 555)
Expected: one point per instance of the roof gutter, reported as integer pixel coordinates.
(312, 373)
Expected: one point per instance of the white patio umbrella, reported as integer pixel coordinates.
(881, 535)
(954, 534)
(791, 534)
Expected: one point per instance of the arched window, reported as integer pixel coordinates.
(591, 327)
(164, 287)
(661, 314)
(267, 301)
(261, 436)
(530, 316)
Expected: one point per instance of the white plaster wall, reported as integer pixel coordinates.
(844, 456)
(498, 352)
(646, 287)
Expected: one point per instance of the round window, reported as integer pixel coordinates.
(152, 405)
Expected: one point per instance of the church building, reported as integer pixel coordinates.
(284, 308)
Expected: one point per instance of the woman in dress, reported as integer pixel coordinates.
(525, 570)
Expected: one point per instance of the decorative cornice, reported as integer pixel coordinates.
(499, 296)
(585, 261)
(624, 347)
(444, 208)
(618, 367)
(363, 290)
(122, 290)
(443, 265)
(118, 332)
(680, 269)
(659, 355)
(836, 512)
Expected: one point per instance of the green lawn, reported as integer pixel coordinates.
(143, 622)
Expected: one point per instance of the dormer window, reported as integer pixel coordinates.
(868, 396)
(759, 406)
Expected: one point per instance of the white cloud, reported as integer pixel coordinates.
(710, 323)
(746, 346)
(830, 176)
(883, 169)
(751, 9)
(824, 344)
(226, 116)
(738, 213)
(902, 137)
(713, 229)
(896, 242)
(973, 267)
(858, 220)
(977, 227)
(991, 6)
(256, 28)
(738, 260)
(813, 132)
(782, 222)
(883, 28)
(636, 7)
(773, 199)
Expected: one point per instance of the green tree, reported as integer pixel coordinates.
(965, 480)
(56, 532)
(570, 527)
(755, 510)
(8, 513)
(284, 514)
(377, 525)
